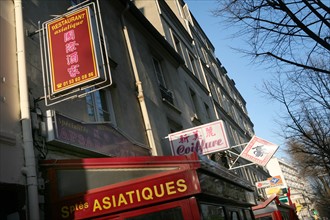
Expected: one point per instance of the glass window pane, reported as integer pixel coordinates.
(212, 212)
(168, 214)
(247, 214)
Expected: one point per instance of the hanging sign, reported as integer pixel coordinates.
(259, 151)
(72, 53)
(270, 182)
(204, 139)
(263, 184)
(275, 181)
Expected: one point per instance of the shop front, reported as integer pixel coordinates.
(148, 187)
(274, 209)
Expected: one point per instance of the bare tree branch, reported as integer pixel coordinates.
(294, 63)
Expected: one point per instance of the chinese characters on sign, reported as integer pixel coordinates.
(72, 53)
(72, 58)
(205, 139)
(259, 151)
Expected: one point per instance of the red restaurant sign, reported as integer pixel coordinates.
(72, 54)
(138, 193)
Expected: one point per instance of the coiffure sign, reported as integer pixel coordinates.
(72, 53)
(204, 139)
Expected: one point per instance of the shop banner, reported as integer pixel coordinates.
(259, 151)
(204, 139)
(65, 132)
(275, 181)
(263, 184)
(270, 182)
(119, 197)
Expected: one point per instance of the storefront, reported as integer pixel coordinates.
(273, 209)
(158, 188)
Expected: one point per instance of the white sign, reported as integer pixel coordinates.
(270, 182)
(263, 184)
(259, 151)
(204, 139)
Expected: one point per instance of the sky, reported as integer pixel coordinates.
(248, 77)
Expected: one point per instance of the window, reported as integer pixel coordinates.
(174, 126)
(234, 215)
(212, 212)
(97, 107)
(159, 72)
(177, 45)
(195, 103)
(173, 213)
(166, 94)
(193, 64)
(208, 113)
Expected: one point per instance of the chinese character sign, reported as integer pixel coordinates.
(259, 151)
(71, 48)
(205, 139)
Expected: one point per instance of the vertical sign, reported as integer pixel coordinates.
(204, 139)
(259, 151)
(72, 54)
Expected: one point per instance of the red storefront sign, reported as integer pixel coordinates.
(115, 188)
(72, 54)
(126, 196)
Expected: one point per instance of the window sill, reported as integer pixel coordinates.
(171, 106)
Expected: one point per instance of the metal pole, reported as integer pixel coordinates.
(30, 165)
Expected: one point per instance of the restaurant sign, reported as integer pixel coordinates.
(204, 139)
(74, 54)
(100, 138)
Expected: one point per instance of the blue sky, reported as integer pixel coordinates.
(247, 76)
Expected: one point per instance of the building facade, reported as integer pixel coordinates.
(299, 188)
(165, 78)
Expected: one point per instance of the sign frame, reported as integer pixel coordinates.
(64, 75)
(79, 17)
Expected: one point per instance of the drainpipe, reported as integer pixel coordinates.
(138, 84)
(30, 165)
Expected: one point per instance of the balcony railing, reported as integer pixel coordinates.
(167, 95)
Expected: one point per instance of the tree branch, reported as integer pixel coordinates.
(294, 63)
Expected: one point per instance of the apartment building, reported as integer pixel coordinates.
(292, 179)
(165, 78)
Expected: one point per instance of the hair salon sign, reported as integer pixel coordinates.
(204, 139)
